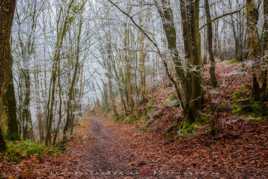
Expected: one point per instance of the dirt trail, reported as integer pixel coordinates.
(106, 154)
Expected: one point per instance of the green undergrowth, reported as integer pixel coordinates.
(188, 128)
(242, 104)
(19, 150)
(139, 115)
(233, 61)
(126, 119)
(172, 101)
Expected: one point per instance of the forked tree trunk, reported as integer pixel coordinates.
(189, 78)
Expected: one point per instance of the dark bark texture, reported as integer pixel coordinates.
(7, 95)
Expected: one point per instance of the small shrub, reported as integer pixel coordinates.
(172, 101)
(188, 128)
(240, 94)
(242, 105)
(130, 119)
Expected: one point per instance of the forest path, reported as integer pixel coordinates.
(106, 153)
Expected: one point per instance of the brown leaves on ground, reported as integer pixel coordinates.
(244, 155)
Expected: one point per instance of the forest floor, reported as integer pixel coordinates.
(102, 148)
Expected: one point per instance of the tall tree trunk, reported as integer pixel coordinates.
(128, 71)
(192, 45)
(2, 142)
(26, 115)
(71, 93)
(252, 44)
(109, 74)
(253, 49)
(265, 28)
(57, 129)
(166, 15)
(7, 95)
(196, 98)
(213, 78)
(142, 56)
(9, 102)
(120, 86)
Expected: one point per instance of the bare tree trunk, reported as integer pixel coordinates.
(110, 74)
(120, 87)
(26, 115)
(213, 78)
(60, 108)
(128, 77)
(9, 102)
(2, 142)
(166, 15)
(265, 28)
(142, 56)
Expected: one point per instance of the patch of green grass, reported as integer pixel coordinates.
(131, 119)
(19, 150)
(233, 61)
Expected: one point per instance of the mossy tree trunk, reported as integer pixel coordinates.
(7, 95)
(253, 52)
(192, 45)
